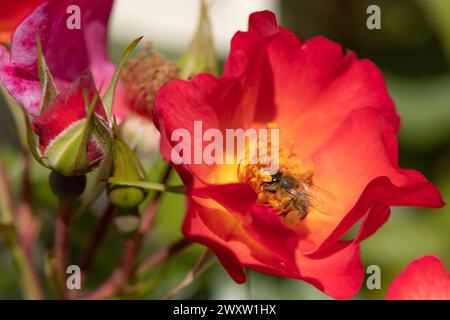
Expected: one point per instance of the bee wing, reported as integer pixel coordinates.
(318, 198)
(299, 195)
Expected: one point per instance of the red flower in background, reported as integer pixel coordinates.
(337, 126)
(77, 64)
(12, 13)
(423, 279)
(74, 57)
(68, 52)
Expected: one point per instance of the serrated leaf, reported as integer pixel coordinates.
(108, 98)
(48, 87)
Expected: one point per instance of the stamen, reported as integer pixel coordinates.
(144, 75)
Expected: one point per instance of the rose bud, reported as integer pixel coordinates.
(200, 56)
(126, 167)
(72, 134)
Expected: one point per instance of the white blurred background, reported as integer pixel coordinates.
(170, 24)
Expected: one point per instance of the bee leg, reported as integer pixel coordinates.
(269, 188)
(303, 215)
(286, 208)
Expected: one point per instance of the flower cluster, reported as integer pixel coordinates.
(337, 126)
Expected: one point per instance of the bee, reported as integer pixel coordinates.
(297, 196)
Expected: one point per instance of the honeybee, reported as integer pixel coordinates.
(297, 196)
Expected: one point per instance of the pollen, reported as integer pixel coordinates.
(144, 75)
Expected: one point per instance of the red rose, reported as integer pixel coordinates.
(12, 13)
(68, 52)
(423, 279)
(337, 127)
(70, 140)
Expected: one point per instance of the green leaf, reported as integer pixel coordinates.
(108, 98)
(48, 87)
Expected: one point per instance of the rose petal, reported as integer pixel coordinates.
(423, 279)
(358, 165)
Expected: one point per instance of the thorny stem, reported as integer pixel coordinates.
(28, 275)
(132, 245)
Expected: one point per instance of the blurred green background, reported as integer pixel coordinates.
(412, 49)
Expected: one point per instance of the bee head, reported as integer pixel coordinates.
(276, 177)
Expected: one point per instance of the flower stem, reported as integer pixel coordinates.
(100, 230)
(162, 255)
(131, 247)
(61, 244)
(30, 282)
(28, 276)
(28, 225)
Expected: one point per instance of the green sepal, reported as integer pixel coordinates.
(108, 98)
(48, 87)
(146, 185)
(32, 139)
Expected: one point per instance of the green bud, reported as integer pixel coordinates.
(126, 166)
(200, 56)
